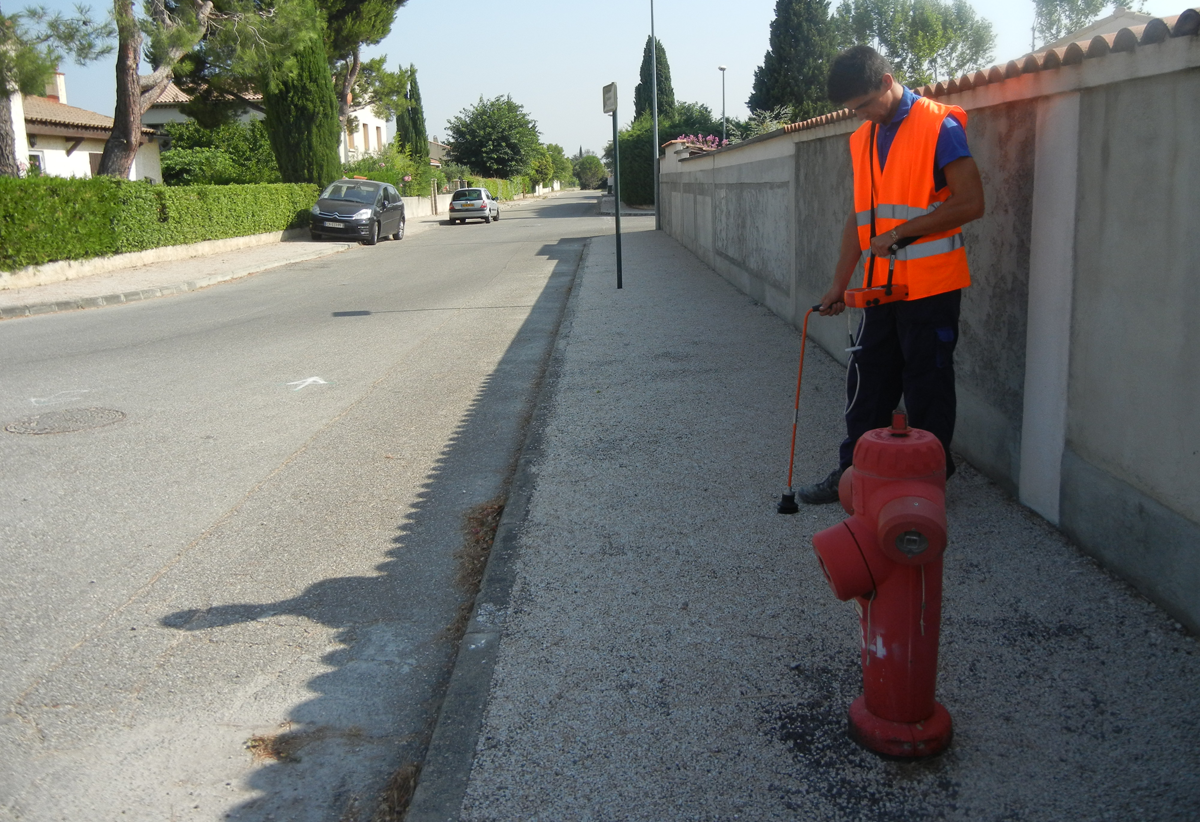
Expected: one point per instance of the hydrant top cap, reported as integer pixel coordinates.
(881, 453)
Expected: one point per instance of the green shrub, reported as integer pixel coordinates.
(50, 218)
(199, 166)
(233, 153)
(637, 156)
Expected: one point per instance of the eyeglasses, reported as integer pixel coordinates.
(870, 101)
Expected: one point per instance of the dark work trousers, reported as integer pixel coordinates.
(906, 349)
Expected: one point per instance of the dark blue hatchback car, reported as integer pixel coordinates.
(358, 209)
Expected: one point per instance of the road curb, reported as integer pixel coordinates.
(450, 757)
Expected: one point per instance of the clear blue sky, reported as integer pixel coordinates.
(554, 56)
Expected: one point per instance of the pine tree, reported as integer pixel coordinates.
(302, 119)
(666, 94)
(795, 68)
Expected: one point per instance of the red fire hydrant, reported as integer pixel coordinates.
(887, 556)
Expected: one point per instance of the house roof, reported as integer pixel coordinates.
(1120, 18)
(175, 96)
(43, 115)
(1128, 39)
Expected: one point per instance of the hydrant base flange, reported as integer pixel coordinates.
(900, 740)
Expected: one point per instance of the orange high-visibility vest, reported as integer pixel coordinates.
(936, 263)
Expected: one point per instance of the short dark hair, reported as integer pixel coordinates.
(856, 71)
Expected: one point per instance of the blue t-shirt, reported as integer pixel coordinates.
(951, 144)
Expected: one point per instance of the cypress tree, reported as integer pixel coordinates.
(302, 119)
(666, 94)
(796, 67)
(415, 115)
(405, 139)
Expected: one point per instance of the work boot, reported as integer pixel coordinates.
(823, 492)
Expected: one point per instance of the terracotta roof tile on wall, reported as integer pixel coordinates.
(1155, 31)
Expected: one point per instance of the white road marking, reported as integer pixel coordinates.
(60, 397)
(305, 383)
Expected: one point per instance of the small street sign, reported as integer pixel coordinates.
(610, 98)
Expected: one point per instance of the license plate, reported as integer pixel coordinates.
(334, 225)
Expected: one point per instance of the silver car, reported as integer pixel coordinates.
(473, 204)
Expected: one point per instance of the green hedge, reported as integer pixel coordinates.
(502, 189)
(46, 219)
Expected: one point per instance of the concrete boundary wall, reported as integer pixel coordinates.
(1076, 366)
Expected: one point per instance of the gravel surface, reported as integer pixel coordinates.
(671, 650)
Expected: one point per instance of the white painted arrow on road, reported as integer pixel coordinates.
(305, 383)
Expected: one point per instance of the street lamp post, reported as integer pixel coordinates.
(654, 108)
(722, 68)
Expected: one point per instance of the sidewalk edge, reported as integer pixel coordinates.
(56, 306)
(450, 757)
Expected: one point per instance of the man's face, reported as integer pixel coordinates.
(877, 106)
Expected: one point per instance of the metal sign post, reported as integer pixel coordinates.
(610, 107)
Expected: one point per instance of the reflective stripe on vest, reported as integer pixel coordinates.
(893, 211)
(919, 251)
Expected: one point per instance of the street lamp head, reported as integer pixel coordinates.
(722, 68)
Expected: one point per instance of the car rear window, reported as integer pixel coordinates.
(468, 194)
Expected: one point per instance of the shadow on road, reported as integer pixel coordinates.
(372, 710)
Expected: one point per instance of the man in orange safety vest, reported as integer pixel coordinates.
(915, 185)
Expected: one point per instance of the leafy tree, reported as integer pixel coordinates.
(923, 39)
(563, 172)
(796, 66)
(250, 35)
(763, 121)
(350, 25)
(1055, 19)
(541, 167)
(666, 94)
(590, 171)
(691, 118)
(494, 137)
(302, 121)
(32, 43)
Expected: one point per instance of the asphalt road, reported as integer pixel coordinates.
(252, 533)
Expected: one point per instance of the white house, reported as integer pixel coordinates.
(366, 133)
(65, 141)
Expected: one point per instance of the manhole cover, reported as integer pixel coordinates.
(64, 422)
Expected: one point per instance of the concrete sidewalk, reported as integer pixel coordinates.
(654, 642)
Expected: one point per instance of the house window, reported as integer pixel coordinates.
(366, 137)
(378, 137)
(37, 164)
(350, 139)
(94, 162)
